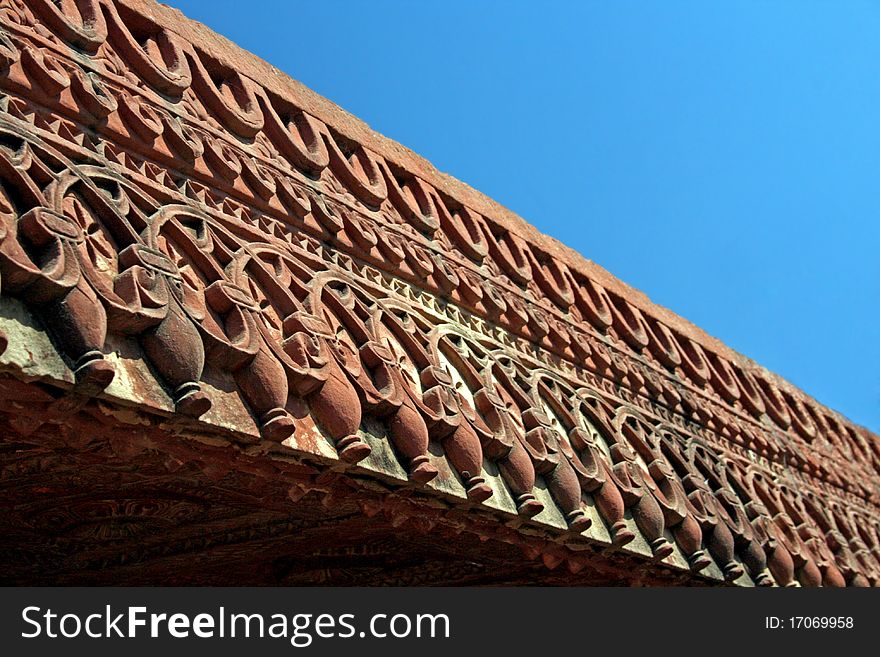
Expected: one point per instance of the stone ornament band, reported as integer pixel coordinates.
(236, 256)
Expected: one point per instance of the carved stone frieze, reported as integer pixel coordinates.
(194, 240)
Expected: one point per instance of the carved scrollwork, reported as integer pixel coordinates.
(43, 248)
(79, 23)
(153, 193)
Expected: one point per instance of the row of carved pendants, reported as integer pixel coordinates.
(175, 69)
(90, 253)
(335, 359)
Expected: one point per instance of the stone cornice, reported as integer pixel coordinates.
(202, 236)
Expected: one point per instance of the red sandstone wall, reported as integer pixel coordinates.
(279, 269)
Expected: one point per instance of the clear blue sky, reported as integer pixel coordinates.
(723, 157)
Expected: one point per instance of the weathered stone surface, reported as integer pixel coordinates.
(240, 327)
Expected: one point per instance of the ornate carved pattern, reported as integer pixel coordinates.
(152, 192)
